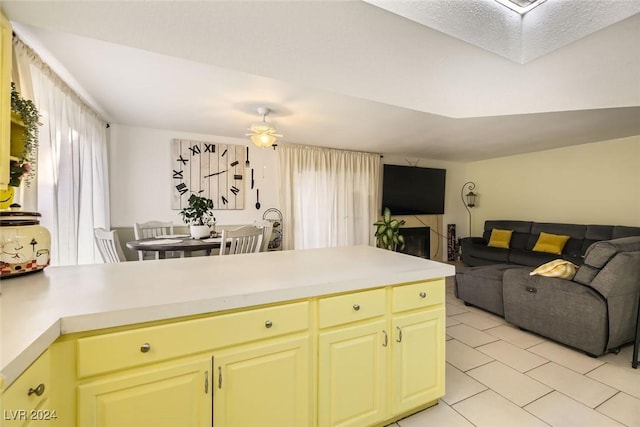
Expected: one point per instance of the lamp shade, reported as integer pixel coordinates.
(263, 139)
(471, 199)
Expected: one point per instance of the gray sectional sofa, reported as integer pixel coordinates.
(595, 311)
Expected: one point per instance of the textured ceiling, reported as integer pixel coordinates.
(347, 74)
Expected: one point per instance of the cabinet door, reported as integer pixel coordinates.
(353, 375)
(266, 384)
(162, 395)
(418, 358)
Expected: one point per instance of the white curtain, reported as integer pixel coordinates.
(329, 197)
(72, 191)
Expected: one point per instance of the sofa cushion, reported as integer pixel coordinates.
(496, 255)
(620, 231)
(500, 238)
(530, 258)
(557, 268)
(551, 243)
(574, 231)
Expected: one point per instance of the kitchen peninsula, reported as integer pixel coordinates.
(349, 336)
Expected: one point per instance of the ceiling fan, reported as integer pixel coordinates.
(263, 134)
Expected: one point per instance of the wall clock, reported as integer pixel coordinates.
(215, 170)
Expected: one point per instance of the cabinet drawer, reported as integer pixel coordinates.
(30, 389)
(120, 350)
(351, 307)
(418, 295)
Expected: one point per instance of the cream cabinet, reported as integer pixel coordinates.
(352, 380)
(395, 334)
(5, 100)
(418, 325)
(265, 384)
(165, 395)
(25, 402)
(361, 358)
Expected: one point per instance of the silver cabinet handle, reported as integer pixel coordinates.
(386, 339)
(423, 294)
(145, 347)
(268, 324)
(356, 307)
(399, 334)
(37, 391)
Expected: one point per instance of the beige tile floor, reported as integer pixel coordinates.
(498, 375)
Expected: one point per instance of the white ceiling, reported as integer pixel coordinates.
(349, 74)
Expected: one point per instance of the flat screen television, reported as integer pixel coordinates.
(410, 190)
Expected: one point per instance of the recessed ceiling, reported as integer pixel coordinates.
(343, 74)
(520, 30)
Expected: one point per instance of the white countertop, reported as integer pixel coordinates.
(36, 309)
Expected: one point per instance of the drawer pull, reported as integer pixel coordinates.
(145, 347)
(356, 307)
(268, 324)
(423, 294)
(37, 391)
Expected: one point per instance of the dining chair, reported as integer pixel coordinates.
(243, 240)
(108, 245)
(145, 230)
(266, 227)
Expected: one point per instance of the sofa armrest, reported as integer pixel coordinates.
(619, 283)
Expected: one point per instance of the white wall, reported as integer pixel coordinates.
(140, 177)
(596, 183)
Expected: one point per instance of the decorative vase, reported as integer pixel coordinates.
(199, 231)
(25, 243)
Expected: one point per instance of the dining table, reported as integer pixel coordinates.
(175, 243)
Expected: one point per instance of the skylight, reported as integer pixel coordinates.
(521, 6)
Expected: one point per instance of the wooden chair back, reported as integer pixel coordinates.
(243, 240)
(145, 230)
(267, 228)
(108, 245)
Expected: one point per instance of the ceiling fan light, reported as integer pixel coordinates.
(263, 139)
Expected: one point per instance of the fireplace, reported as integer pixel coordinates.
(417, 241)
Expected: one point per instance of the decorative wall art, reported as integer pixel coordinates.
(213, 170)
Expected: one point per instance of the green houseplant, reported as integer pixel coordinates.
(388, 232)
(27, 113)
(199, 216)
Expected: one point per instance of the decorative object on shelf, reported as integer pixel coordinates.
(25, 244)
(214, 170)
(6, 197)
(388, 232)
(257, 198)
(24, 135)
(263, 134)
(199, 216)
(470, 200)
(275, 216)
(17, 171)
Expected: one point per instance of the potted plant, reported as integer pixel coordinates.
(25, 130)
(199, 216)
(388, 232)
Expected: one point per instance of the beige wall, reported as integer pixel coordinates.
(595, 183)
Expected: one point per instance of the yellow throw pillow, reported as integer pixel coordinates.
(500, 238)
(557, 268)
(550, 243)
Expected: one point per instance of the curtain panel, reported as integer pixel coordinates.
(329, 197)
(72, 191)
